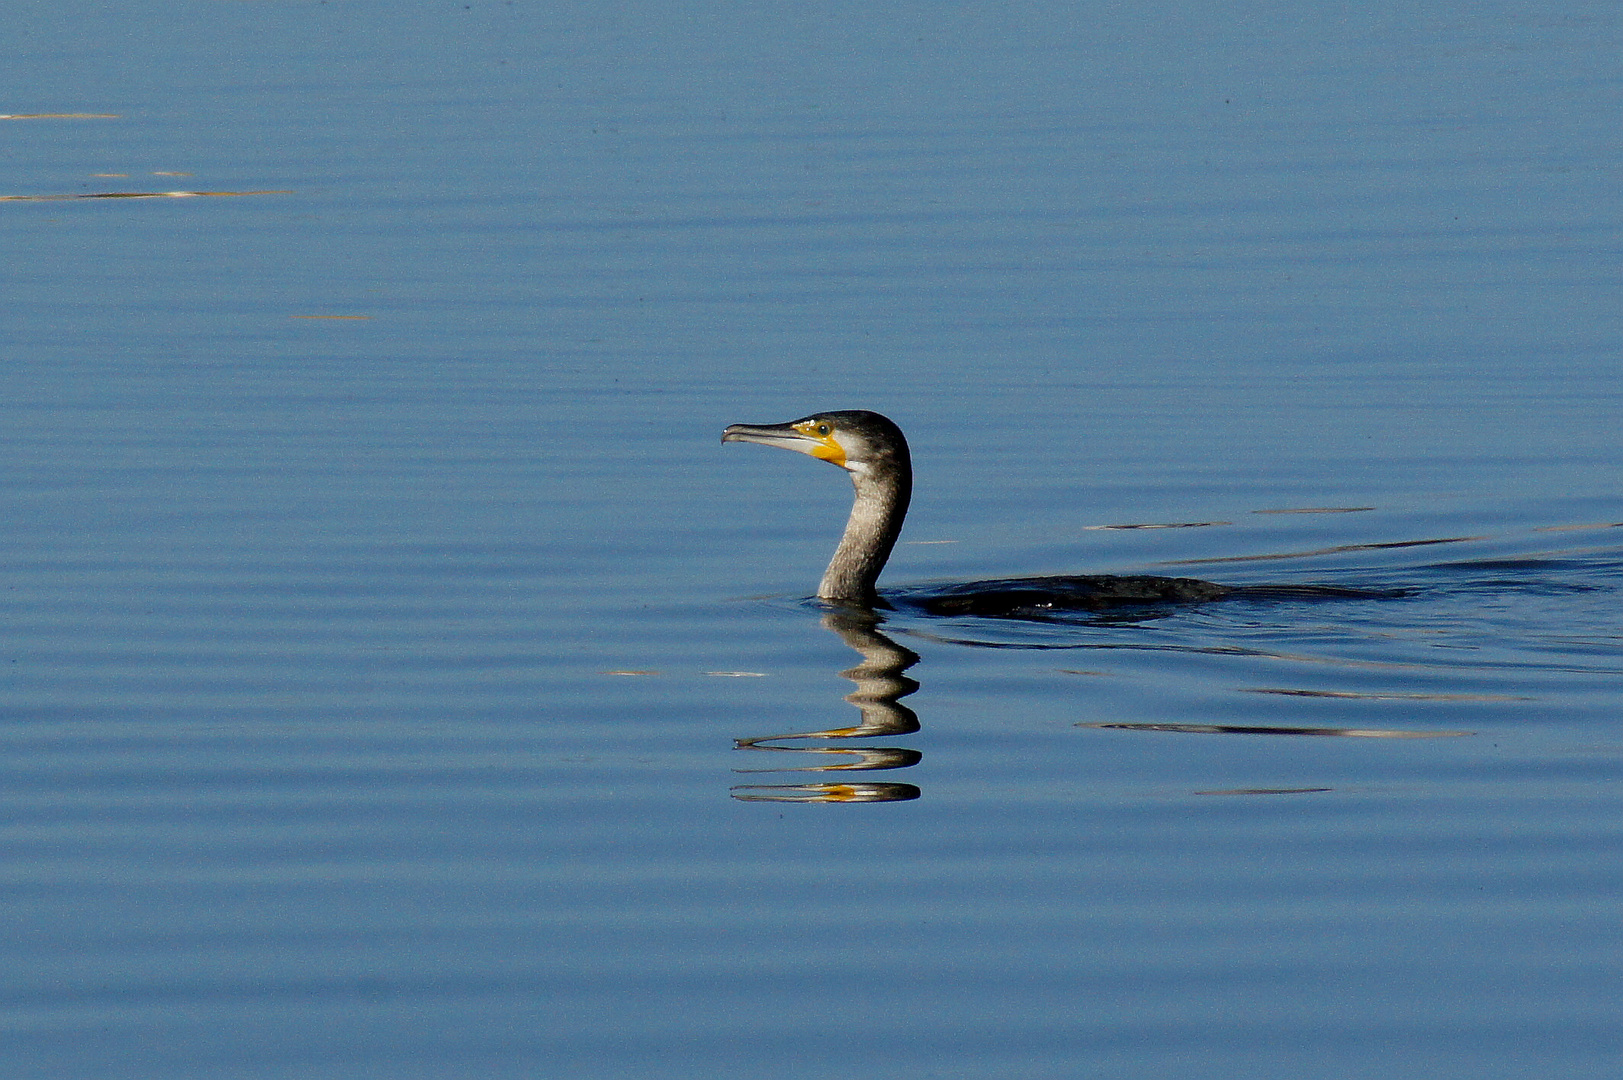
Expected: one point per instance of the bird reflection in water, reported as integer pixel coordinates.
(880, 686)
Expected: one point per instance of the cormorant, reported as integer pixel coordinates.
(873, 450)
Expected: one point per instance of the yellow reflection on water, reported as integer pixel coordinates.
(825, 793)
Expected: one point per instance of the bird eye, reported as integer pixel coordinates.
(823, 429)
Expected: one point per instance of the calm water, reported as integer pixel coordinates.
(401, 681)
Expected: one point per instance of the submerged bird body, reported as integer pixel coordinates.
(873, 450)
(1035, 598)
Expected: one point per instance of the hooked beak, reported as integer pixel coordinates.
(799, 436)
(770, 435)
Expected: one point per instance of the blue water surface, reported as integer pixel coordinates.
(381, 615)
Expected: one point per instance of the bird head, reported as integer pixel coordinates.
(856, 440)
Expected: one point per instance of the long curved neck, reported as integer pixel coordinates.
(876, 522)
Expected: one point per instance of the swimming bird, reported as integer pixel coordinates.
(874, 451)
